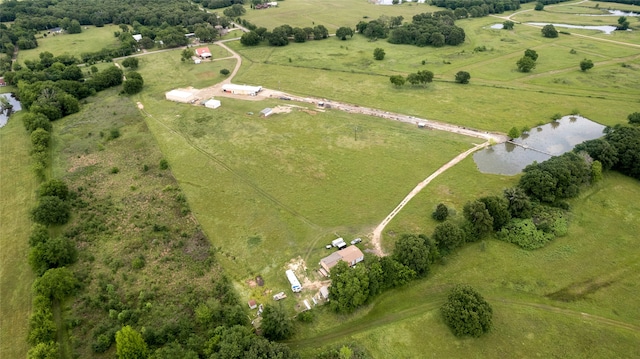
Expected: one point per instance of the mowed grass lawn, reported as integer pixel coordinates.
(594, 267)
(91, 39)
(18, 192)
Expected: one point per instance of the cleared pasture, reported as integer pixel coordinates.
(91, 39)
(521, 286)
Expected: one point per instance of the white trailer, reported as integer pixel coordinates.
(295, 283)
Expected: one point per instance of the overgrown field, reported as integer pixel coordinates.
(538, 296)
(91, 39)
(17, 190)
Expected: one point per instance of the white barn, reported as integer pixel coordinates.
(180, 96)
(241, 89)
(212, 104)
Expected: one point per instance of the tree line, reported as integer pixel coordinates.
(478, 8)
(281, 35)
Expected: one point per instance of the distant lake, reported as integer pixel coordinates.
(554, 138)
(4, 115)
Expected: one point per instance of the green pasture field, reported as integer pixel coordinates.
(594, 291)
(91, 39)
(332, 13)
(163, 71)
(268, 190)
(18, 192)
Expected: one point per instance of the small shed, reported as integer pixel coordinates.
(324, 292)
(266, 112)
(203, 52)
(252, 304)
(137, 37)
(180, 96)
(212, 104)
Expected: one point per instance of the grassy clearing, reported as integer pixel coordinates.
(536, 295)
(17, 190)
(91, 39)
(332, 14)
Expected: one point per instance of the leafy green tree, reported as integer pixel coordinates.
(39, 234)
(549, 31)
(250, 38)
(437, 39)
(462, 77)
(53, 253)
(343, 32)
(349, 287)
(205, 34)
(413, 79)
(239, 342)
(186, 54)
(54, 187)
(131, 63)
(477, 214)
(634, 118)
(498, 208)
(411, 250)
(275, 323)
(466, 312)
(600, 150)
(531, 53)
(514, 132)
(133, 84)
(519, 202)
(378, 53)
(234, 11)
(425, 76)
(74, 27)
(42, 350)
(539, 6)
(397, 80)
(225, 72)
(441, 213)
(448, 237)
(585, 65)
(623, 23)
(174, 350)
(299, 35)
(508, 25)
(56, 283)
(51, 210)
(33, 121)
(130, 344)
(526, 64)
(626, 141)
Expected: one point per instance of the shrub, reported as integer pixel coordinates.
(164, 164)
(466, 312)
(441, 213)
(462, 77)
(54, 187)
(524, 233)
(224, 72)
(51, 210)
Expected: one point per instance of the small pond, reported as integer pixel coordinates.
(554, 138)
(497, 26)
(4, 113)
(607, 29)
(615, 13)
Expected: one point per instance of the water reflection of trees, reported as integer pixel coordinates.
(555, 124)
(509, 146)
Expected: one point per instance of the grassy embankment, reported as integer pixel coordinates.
(17, 190)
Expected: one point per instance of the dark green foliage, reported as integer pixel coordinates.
(53, 253)
(40, 140)
(466, 312)
(441, 213)
(426, 29)
(514, 132)
(234, 11)
(539, 6)
(343, 351)
(54, 187)
(524, 233)
(448, 237)
(133, 84)
(33, 121)
(275, 324)
(585, 65)
(349, 287)
(56, 283)
(39, 234)
(250, 38)
(51, 210)
(397, 80)
(130, 63)
(634, 118)
(462, 77)
(378, 53)
(240, 342)
(343, 32)
(518, 202)
(479, 8)
(498, 208)
(623, 23)
(600, 150)
(549, 31)
(557, 178)
(531, 54)
(386, 273)
(299, 35)
(174, 350)
(481, 221)
(112, 76)
(526, 64)
(164, 164)
(307, 316)
(508, 25)
(626, 141)
(224, 72)
(412, 251)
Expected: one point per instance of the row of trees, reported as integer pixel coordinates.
(619, 149)
(428, 29)
(280, 35)
(478, 8)
(424, 77)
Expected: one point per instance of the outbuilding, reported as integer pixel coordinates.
(241, 89)
(324, 292)
(203, 52)
(212, 104)
(180, 96)
(266, 112)
(137, 37)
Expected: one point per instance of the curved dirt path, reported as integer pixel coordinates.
(376, 236)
